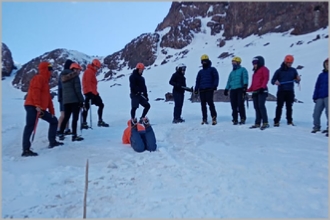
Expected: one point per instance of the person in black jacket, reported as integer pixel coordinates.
(284, 78)
(139, 94)
(178, 81)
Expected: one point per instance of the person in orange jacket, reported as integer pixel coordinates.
(37, 102)
(89, 83)
(141, 137)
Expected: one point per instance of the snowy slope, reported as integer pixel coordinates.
(221, 171)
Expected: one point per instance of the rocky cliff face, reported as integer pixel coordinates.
(57, 58)
(225, 20)
(141, 49)
(7, 61)
(240, 19)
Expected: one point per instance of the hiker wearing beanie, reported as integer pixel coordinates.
(237, 84)
(73, 99)
(259, 91)
(37, 102)
(207, 81)
(284, 78)
(67, 131)
(320, 98)
(138, 92)
(89, 83)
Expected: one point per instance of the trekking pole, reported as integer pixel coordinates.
(247, 100)
(90, 113)
(81, 113)
(35, 126)
(85, 193)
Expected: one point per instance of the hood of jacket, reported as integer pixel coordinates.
(67, 64)
(43, 70)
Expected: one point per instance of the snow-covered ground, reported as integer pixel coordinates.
(198, 171)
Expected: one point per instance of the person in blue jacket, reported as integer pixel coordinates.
(284, 78)
(178, 81)
(320, 98)
(207, 81)
(237, 84)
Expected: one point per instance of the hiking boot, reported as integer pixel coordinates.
(325, 131)
(84, 125)
(255, 126)
(29, 153)
(214, 120)
(134, 122)
(276, 124)
(264, 126)
(61, 137)
(315, 130)
(55, 144)
(175, 121)
(235, 122)
(181, 120)
(101, 123)
(290, 123)
(145, 121)
(67, 132)
(242, 122)
(77, 138)
(204, 122)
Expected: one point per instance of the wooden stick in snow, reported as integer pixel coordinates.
(86, 187)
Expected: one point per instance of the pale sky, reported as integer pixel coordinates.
(31, 29)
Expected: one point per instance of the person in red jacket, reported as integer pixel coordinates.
(37, 102)
(89, 83)
(259, 91)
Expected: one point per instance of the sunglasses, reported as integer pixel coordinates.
(254, 62)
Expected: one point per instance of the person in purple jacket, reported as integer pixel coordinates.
(320, 98)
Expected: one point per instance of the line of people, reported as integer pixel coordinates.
(38, 103)
(284, 78)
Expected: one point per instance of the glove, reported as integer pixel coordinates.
(215, 89)
(244, 88)
(196, 92)
(225, 92)
(40, 111)
(314, 100)
(82, 105)
(261, 90)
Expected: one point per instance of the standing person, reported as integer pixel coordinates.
(37, 102)
(73, 100)
(320, 98)
(178, 81)
(138, 92)
(67, 131)
(237, 84)
(207, 81)
(259, 91)
(89, 83)
(284, 78)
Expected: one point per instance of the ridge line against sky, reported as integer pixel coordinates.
(30, 29)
